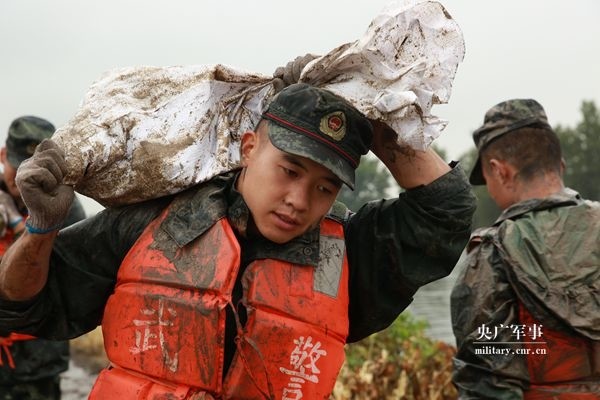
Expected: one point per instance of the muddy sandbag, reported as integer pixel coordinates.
(144, 132)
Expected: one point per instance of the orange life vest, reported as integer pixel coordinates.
(6, 240)
(6, 342)
(564, 367)
(164, 325)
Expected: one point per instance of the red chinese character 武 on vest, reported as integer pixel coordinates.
(164, 325)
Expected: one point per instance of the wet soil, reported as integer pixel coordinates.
(87, 360)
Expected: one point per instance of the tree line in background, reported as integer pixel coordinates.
(581, 151)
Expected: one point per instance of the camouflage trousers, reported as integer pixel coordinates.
(43, 389)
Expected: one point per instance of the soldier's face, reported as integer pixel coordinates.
(10, 174)
(286, 194)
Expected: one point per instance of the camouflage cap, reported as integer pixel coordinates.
(24, 134)
(314, 123)
(505, 117)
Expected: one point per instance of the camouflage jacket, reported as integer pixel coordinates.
(542, 253)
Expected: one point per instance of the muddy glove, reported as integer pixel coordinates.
(10, 213)
(39, 179)
(290, 74)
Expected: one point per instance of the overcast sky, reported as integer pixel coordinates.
(51, 51)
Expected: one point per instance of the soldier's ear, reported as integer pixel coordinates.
(563, 166)
(504, 171)
(248, 147)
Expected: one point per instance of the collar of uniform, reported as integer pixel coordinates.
(196, 210)
(565, 197)
(238, 212)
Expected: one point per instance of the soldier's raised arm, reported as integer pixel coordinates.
(24, 267)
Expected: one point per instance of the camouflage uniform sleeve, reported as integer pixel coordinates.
(484, 309)
(83, 268)
(396, 246)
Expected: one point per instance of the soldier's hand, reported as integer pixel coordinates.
(290, 74)
(10, 213)
(385, 143)
(39, 179)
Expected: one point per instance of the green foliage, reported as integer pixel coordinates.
(405, 328)
(581, 151)
(400, 362)
(372, 181)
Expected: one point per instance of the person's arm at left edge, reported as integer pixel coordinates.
(396, 246)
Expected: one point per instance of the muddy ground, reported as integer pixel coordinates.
(87, 360)
(77, 382)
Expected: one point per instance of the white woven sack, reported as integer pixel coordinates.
(144, 132)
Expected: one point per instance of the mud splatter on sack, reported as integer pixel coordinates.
(144, 132)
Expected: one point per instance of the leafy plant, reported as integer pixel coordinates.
(400, 362)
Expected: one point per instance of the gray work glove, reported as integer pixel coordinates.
(39, 179)
(290, 74)
(10, 213)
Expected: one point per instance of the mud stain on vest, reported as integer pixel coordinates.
(194, 264)
(329, 271)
